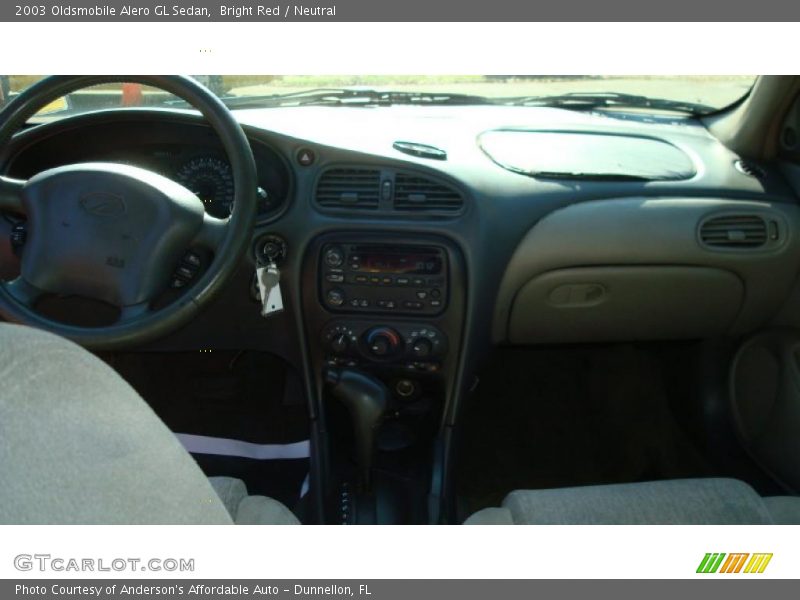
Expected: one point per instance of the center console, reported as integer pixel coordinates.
(383, 318)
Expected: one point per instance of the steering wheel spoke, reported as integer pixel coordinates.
(212, 233)
(133, 312)
(23, 291)
(11, 195)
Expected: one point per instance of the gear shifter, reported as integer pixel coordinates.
(366, 398)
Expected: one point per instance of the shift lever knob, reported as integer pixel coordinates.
(366, 398)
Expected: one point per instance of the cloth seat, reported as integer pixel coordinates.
(79, 446)
(250, 510)
(674, 502)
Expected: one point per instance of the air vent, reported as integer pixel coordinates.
(421, 194)
(349, 188)
(749, 168)
(734, 231)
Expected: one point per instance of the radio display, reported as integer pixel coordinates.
(402, 264)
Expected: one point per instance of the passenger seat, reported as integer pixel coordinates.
(250, 510)
(673, 502)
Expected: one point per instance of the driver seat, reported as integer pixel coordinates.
(79, 446)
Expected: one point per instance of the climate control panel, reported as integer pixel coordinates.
(413, 346)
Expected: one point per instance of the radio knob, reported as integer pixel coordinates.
(334, 257)
(340, 343)
(335, 297)
(421, 348)
(383, 341)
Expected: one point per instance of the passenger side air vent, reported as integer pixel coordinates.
(349, 188)
(414, 193)
(734, 231)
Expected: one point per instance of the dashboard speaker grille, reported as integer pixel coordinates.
(349, 188)
(734, 231)
(415, 193)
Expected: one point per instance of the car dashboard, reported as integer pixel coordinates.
(410, 240)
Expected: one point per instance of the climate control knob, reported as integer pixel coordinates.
(421, 348)
(340, 343)
(382, 342)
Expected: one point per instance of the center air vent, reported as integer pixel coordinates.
(734, 231)
(416, 193)
(349, 188)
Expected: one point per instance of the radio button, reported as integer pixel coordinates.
(422, 294)
(334, 257)
(436, 303)
(436, 293)
(413, 305)
(375, 280)
(402, 281)
(361, 279)
(419, 281)
(334, 277)
(335, 297)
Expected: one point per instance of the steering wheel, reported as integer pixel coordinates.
(117, 233)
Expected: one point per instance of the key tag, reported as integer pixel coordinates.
(269, 288)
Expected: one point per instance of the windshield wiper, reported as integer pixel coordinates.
(588, 101)
(351, 97)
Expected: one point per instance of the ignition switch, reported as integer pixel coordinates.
(270, 249)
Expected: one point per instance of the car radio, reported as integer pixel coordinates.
(377, 278)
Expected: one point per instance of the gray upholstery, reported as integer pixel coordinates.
(491, 516)
(78, 444)
(231, 491)
(784, 510)
(250, 510)
(260, 510)
(682, 501)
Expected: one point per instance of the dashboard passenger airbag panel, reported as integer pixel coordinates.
(586, 155)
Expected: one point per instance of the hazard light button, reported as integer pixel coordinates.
(306, 157)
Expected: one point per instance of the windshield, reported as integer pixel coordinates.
(686, 94)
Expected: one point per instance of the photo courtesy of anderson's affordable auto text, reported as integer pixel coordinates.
(475, 300)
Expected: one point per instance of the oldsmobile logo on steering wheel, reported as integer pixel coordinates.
(103, 204)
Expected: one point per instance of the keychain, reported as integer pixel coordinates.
(269, 288)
